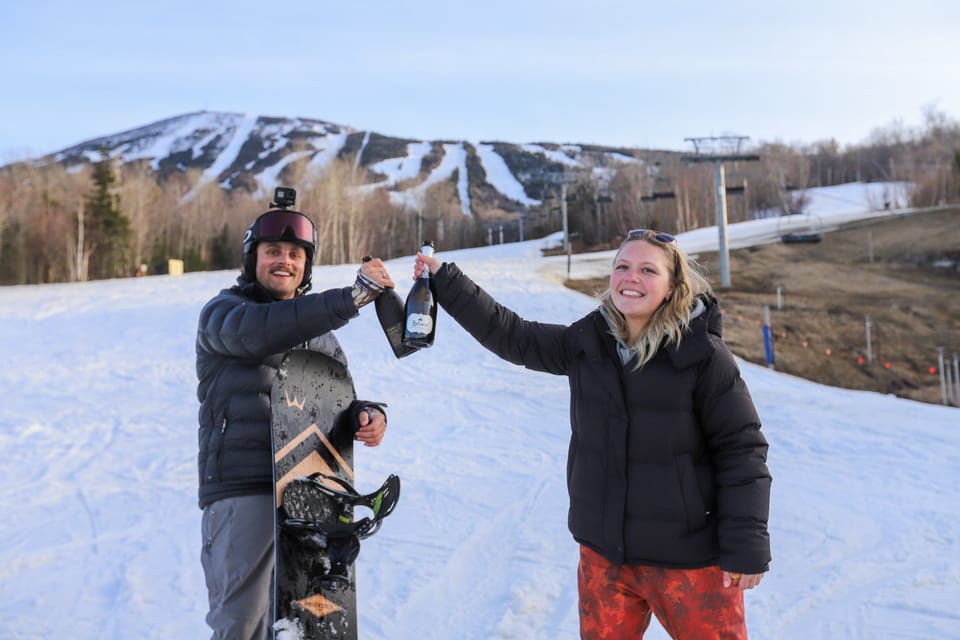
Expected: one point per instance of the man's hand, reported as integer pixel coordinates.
(372, 279)
(373, 426)
(377, 271)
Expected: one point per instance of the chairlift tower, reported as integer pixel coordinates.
(563, 178)
(720, 149)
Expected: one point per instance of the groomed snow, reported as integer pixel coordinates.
(100, 535)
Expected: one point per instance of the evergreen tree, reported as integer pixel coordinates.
(107, 229)
(223, 252)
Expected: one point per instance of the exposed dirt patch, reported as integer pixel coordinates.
(910, 291)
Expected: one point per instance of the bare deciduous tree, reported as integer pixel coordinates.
(49, 233)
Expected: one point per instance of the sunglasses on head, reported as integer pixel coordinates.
(659, 236)
(285, 225)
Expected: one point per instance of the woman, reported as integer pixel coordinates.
(669, 489)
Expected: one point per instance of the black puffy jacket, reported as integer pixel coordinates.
(242, 336)
(667, 465)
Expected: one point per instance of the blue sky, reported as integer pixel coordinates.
(620, 73)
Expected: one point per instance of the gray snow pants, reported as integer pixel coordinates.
(237, 559)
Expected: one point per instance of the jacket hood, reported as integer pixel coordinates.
(705, 327)
(708, 306)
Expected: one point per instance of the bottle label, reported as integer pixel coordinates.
(419, 324)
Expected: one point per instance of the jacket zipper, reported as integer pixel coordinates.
(223, 431)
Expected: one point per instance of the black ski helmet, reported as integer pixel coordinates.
(280, 223)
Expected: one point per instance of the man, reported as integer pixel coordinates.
(242, 336)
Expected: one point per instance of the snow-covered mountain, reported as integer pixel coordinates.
(251, 152)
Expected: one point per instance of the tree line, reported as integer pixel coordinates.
(107, 220)
(677, 196)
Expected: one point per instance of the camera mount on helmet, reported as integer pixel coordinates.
(283, 198)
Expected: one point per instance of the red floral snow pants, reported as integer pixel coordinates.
(616, 602)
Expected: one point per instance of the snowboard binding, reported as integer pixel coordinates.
(318, 511)
(341, 553)
(323, 504)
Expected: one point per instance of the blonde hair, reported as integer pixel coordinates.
(668, 322)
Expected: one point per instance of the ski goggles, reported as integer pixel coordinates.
(286, 225)
(659, 236)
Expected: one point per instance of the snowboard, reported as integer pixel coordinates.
(316, 537)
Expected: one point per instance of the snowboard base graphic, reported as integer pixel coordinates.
(315, 585)
(314, 414)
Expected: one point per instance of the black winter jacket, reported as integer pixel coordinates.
(242, 336)
(667, 465)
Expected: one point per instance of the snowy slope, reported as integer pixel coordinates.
(100, 535)
(236, 148)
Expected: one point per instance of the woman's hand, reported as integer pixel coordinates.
(741, 580)
(425, 262)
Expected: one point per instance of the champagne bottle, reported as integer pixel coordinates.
(420, 309)
(389, 308)
(390, 313)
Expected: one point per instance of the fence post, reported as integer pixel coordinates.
(949, 373)
(767, 337)
(943, 378)
(956, 376)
